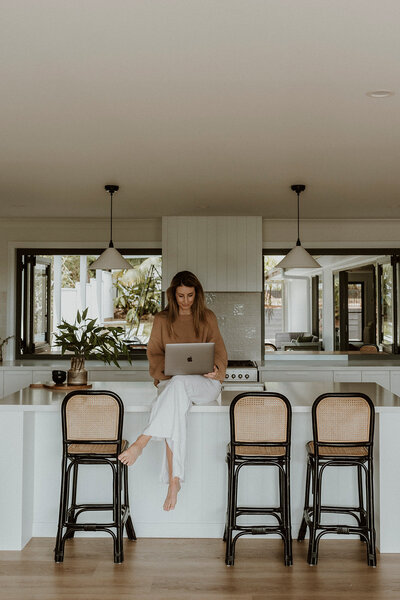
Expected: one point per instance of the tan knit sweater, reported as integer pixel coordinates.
(183, 333)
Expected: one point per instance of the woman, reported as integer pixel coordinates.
(185, 320)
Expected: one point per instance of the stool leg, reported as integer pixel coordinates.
(312, 558)
(130, 531)
(229, 558)
(303, 526)
(228, 502)
(72, 510)
(287, 519)
(59, 548)
(363, 522)
(371, 546)
(118, 542)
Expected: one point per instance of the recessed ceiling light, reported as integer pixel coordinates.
(380, 94)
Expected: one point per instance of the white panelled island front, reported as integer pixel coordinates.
(31, 457)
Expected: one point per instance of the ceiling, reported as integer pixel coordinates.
(199, 107)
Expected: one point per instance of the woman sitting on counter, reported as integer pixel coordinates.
(184, 320)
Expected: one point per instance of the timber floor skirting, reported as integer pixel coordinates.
(194, 569)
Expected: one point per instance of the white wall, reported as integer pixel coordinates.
(332, 233)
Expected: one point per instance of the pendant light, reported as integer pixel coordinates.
(298, 257)
(111, 258)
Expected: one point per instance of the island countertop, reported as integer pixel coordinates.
(138, 396)
(31, 449)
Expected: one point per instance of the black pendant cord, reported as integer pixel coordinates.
(111, 245)
(298, 220)
(298, 188)
(111, 189)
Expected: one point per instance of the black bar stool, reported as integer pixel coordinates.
(343, 432)
(92, 435)
(260, 435)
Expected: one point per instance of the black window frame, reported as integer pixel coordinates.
(19, 291)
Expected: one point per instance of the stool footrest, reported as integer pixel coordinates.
(344, 509)
(258, 529)
(91, 507)
(90, 526)
(257, 510)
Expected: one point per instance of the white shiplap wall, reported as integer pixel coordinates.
(224, 252)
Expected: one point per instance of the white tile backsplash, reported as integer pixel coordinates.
(239, 320)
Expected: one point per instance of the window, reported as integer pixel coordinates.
(52, 285)
(385, 275)
(274, 289)
(350, 301)
(355, 309)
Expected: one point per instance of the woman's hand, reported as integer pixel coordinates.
(214, 374)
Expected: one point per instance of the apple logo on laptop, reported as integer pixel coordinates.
(189, 359)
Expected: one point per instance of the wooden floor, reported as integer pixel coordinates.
(195, 569)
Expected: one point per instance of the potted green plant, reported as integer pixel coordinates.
(3, 343)
(85, 339)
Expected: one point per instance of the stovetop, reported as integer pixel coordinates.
(242, 364)
(241, 371)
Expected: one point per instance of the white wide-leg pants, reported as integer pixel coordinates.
(168, 418)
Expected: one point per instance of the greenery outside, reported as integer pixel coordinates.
(138, 294)
(84, 339)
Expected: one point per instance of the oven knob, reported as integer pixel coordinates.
(240, 376)
(233, 376)
(227, 376)
(247, 376)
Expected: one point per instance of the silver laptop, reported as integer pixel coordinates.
(189, 359)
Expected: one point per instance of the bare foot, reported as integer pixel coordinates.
(129, 456)
(172, 495)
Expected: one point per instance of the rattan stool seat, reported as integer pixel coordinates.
(338, 450)
(96, 448)
(259, 450)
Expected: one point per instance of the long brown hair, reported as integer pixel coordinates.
(187, 279)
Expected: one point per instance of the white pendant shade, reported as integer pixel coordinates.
(298, 258)
(111, 259)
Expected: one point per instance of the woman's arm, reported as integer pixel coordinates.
(156, 351)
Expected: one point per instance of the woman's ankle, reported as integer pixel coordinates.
(175, 481)
(142, 441)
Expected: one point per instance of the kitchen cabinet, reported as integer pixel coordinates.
(395, 382)
(117, 375)
(347, 375)
(380, 377)
(42, 376)
(300, 375)
(16, 380)
(29, 502)
(1, 384)
(224, 252)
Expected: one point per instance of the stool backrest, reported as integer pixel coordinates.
(343, 418)
(92, 415)
(260, 418)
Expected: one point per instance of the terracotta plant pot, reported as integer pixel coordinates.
(77, 374)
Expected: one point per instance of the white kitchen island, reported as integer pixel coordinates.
(30, 461)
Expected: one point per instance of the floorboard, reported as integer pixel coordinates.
(194, 569)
